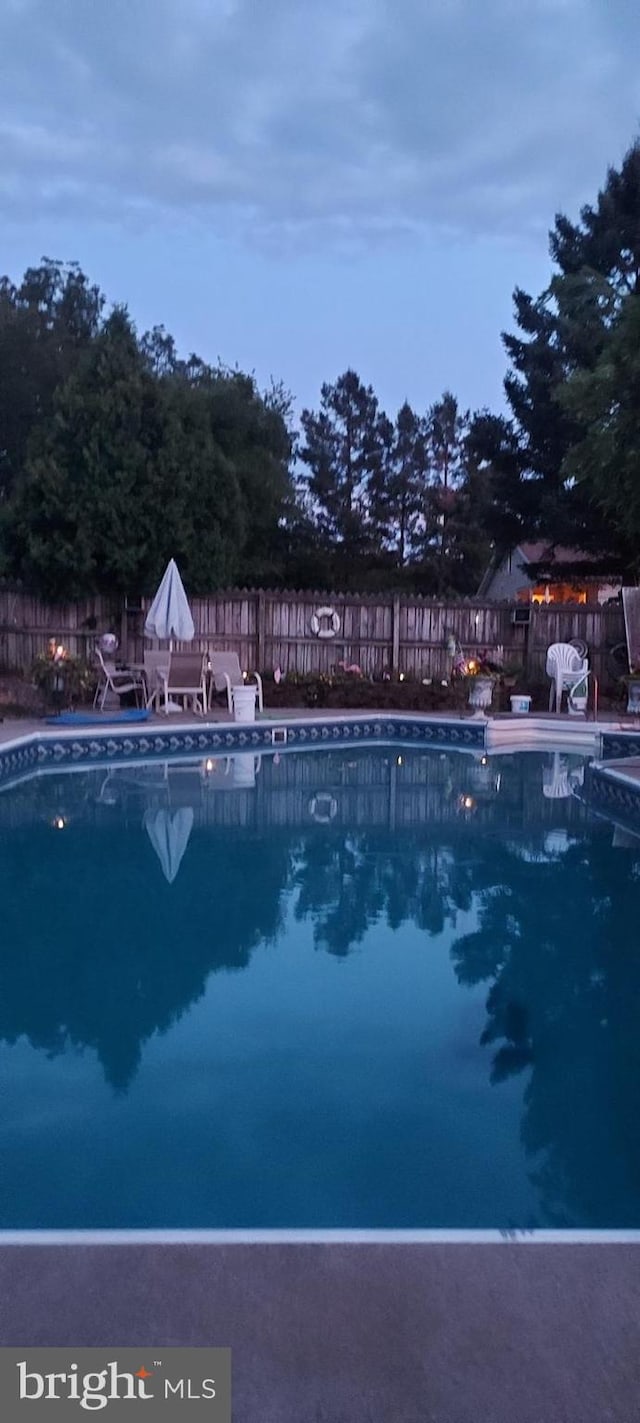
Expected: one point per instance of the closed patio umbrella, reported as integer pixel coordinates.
(169, 834)
(170, 615)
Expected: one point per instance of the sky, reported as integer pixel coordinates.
(302, 186)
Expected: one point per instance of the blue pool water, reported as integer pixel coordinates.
(360, 988)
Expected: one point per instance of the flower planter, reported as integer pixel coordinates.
(244, 703)
(480, 692)
(520, 704)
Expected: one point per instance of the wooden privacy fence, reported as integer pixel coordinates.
(379, 633)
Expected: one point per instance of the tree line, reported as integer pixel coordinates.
(116, 453)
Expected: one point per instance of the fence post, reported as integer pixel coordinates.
(530, 638)
(395, 634)
(260, 630)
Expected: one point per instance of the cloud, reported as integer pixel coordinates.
(314, 120)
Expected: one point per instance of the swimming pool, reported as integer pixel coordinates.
(381, 987)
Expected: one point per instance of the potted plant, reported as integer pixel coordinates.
(63, 678)
(480, 674)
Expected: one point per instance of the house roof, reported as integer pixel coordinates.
(544, 552)
(544, 561)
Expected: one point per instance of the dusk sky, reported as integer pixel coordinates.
(299, 186)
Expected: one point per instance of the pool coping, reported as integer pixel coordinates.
(301, 1236)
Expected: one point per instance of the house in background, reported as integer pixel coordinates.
(541, 573)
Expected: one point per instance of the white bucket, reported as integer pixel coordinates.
(520, 704)
(244, 703)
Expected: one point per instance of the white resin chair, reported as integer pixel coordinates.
(226, 674)
(565, 667)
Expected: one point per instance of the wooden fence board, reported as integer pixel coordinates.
(269, 629)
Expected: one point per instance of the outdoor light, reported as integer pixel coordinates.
(244, 676)
(398, 760)
(466, 802)
(484, 760)
(401, 677)
(58, 822)
(209, 766)
(472, 665)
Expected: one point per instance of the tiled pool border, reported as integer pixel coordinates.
(51, 748)
(609, 793)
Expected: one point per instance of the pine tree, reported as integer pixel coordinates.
(345, 448)
(572, 331)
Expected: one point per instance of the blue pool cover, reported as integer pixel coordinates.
(97, 718)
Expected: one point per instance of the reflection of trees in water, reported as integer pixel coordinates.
(558, 944)
(105, 962)
(100, 951)
(347, 883)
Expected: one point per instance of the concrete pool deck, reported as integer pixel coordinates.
(452, 1333)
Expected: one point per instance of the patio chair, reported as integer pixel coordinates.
(118, 680)
(155, 663)
(565, 667)
(226, 674)
(185, 676)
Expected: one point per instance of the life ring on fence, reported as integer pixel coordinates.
(334, 622)
(323, 808)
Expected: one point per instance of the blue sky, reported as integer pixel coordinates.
(299, 186)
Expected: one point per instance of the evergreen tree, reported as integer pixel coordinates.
(566, 336)
(124, 477)
(46, 323)
(605, 401)
(447, 430)
(396, 488)
(345, 447)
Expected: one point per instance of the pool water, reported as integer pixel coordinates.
(351, 988)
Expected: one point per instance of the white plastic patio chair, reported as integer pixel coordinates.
(565, 667)
(226, 674)
(116, 680)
